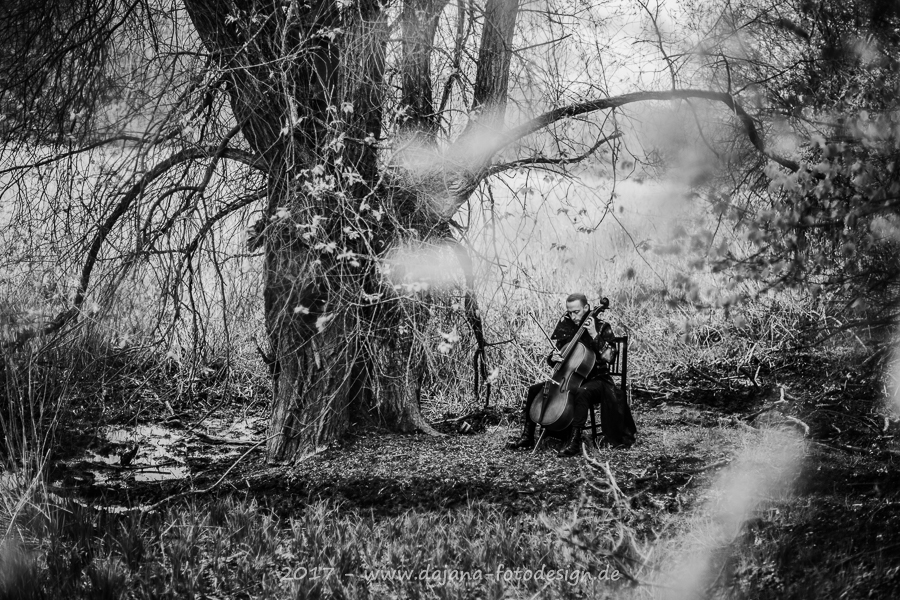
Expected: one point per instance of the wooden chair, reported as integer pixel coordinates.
(618, 368)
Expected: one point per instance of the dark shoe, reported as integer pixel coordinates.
(573, 446)
(523, 442)
(526, 440)
(623, 444)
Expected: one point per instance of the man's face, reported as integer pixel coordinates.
(576, 310)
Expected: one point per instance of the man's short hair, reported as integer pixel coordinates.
(577, 296)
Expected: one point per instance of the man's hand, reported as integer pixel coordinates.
(591, 327)
(556, 357)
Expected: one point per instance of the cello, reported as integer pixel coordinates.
(553, 409)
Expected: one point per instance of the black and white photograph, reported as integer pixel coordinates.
(449, 299)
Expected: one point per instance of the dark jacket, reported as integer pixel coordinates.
(563, 333)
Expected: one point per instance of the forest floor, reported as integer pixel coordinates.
(679, 447)
(833, 533)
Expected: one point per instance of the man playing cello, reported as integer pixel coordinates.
(616, 421)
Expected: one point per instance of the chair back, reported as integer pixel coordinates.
(619, 366)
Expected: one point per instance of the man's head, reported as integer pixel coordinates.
(576, 306)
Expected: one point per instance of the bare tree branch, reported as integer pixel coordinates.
(463, 27)
(540, 160)
(223, 212)
(659, 40)
(63, 155)
(581, 108)
(121, 208)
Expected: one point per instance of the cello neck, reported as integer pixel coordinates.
(603, 304)
(592, 314)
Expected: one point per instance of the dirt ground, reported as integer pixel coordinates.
(843, 520)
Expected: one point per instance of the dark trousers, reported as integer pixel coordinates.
(616, 421)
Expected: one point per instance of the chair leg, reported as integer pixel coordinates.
(593, 425)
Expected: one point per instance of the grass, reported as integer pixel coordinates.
(232, 548)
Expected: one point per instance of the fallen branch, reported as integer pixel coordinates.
(475, 413)
(114, 467)
(764, 409)
(752, 377)
(847, 447)
(686, 483)
(700, 373)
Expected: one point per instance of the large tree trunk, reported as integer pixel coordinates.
(307, 84)
(349, 345)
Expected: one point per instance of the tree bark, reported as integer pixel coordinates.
(494, 55)
(419, 22)
(307, 83)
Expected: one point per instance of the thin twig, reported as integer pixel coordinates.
(152, 507)
(764, 409)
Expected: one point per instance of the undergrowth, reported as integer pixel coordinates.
(233, 548)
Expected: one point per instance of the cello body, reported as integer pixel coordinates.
(553, 409)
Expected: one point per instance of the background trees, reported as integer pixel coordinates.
(822, 78)
(355, 135)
